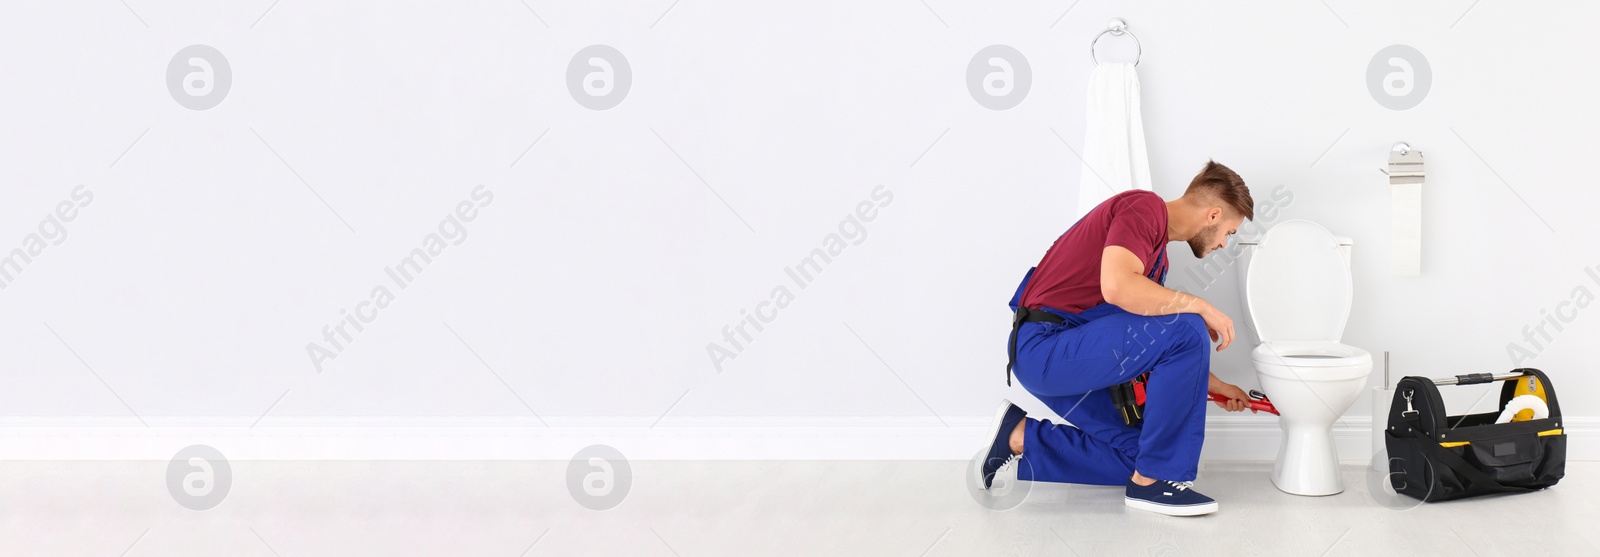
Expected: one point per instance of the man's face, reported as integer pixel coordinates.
(1215, 237)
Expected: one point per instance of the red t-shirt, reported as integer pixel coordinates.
(1068, 278)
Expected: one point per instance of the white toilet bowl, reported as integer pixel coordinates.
(1311, 384)
(1296, 290)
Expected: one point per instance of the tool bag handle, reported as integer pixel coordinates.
(1430, 404)
(1479, 378)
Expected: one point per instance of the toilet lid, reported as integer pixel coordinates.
(1298, 285)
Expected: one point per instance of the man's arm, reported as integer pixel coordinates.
(1122, 283)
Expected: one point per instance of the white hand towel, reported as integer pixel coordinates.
(1113, 145)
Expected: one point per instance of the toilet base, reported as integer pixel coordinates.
(1308, 463)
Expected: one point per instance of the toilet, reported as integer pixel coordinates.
(1296, 289)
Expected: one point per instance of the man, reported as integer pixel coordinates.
(1092, 316)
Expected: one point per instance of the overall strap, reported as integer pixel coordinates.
(1158, 272)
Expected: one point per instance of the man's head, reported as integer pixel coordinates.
(1217, 202)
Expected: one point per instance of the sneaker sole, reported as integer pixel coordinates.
(1171, 510)
(994, 429)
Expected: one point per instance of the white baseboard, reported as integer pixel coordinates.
(752, 438)
(1258, 438)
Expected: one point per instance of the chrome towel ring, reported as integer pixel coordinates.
(1117, 27)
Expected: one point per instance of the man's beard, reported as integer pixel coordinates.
(1198, 243)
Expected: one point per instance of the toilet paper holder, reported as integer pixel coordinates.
(1404, 168)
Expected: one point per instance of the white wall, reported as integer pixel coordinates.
(617, 248)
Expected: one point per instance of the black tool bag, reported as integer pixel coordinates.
(1434, 457)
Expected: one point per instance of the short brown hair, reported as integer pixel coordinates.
(1219, 183)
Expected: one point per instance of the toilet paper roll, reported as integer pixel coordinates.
(1405, 247)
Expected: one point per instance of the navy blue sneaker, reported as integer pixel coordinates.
(1005, 420)
(1169, 498)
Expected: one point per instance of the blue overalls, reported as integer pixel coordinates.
(1069, 367)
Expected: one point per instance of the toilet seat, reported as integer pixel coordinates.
(1311, 360)
(1298, 287)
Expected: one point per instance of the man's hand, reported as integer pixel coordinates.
(1237, 398)
(1219, 325)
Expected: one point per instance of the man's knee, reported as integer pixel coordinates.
(1173, 332)
(1186, 323)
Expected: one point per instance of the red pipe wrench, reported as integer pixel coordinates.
(1260, 403)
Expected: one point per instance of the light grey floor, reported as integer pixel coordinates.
(743, 508)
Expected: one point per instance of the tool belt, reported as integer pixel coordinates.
(1127, 397)
(1025, 315)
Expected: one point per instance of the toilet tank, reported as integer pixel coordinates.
(1248, 249)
